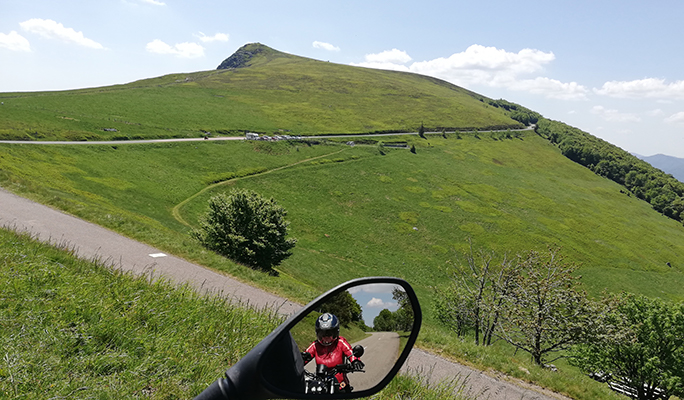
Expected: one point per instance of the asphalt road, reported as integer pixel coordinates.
(91, 241)
(381, 351)
(199, 139)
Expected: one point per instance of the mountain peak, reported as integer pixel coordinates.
(244, 56)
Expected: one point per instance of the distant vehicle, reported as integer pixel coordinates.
(252, 136)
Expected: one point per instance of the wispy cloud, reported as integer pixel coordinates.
(389, 59)
(378, 303)
(551, 88)
(14, 41)
(218, 37)
(614, 115)
(182, 50)
(325, 46)
(643, 88)
(485, 66)
(50, 29)
(677, 118)
(153, 2)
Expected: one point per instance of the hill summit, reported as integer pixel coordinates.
(245, 55)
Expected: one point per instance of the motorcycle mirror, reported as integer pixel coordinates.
(358, 351)
(275, 367)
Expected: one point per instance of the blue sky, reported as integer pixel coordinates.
(612, 68)
(374, 298)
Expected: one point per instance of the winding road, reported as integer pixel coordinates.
(200, 139)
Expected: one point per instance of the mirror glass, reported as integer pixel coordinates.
(377, 317)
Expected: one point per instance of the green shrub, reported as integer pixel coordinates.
(246, 228)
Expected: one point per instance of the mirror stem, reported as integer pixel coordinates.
(216, 391)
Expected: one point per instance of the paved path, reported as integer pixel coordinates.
(478, 384)
(348, 135)
(381, 350)
(95, 242)
(91, 241)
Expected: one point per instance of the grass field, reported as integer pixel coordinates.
(75, 329)
(356, 213)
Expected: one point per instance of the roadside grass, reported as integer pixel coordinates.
(416, 386)
(500, 358)
(361, 214)
(71, 328)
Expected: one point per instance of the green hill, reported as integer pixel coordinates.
(277, 92)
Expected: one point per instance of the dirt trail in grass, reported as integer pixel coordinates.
(92, 241)
(176, 211)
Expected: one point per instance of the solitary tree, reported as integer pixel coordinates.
(545, 311)
(421, 131)
(475, 296)
(246, 228)
(640, 343)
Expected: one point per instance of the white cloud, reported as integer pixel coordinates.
(389, 59)
(14, 41)
(614, 115)
(219, 37)
(643, 88)
(325, 46)
(677, 118)
(497, 63)
(655, 113)
(50, 29)
(374, 288)
(485, 66)
(153, 2)
(378, 303)
(551, 88)
(393, 56)
(182, 50)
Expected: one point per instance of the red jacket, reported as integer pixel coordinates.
(332, 355)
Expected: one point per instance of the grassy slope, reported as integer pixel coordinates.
(278, 91)
(507, 196)
(71, 328)
(354, 210)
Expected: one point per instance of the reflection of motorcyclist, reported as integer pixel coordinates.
(330, 348)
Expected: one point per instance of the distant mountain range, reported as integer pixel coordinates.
(668, 164)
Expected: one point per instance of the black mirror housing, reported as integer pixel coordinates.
(358, 351)
(275, 369)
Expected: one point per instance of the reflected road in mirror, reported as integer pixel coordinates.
(382, 350)
(379, 317)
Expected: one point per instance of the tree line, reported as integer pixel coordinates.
(663, 191)
(517, 112)
(535, 303)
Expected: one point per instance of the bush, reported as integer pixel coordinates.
(246, 228)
